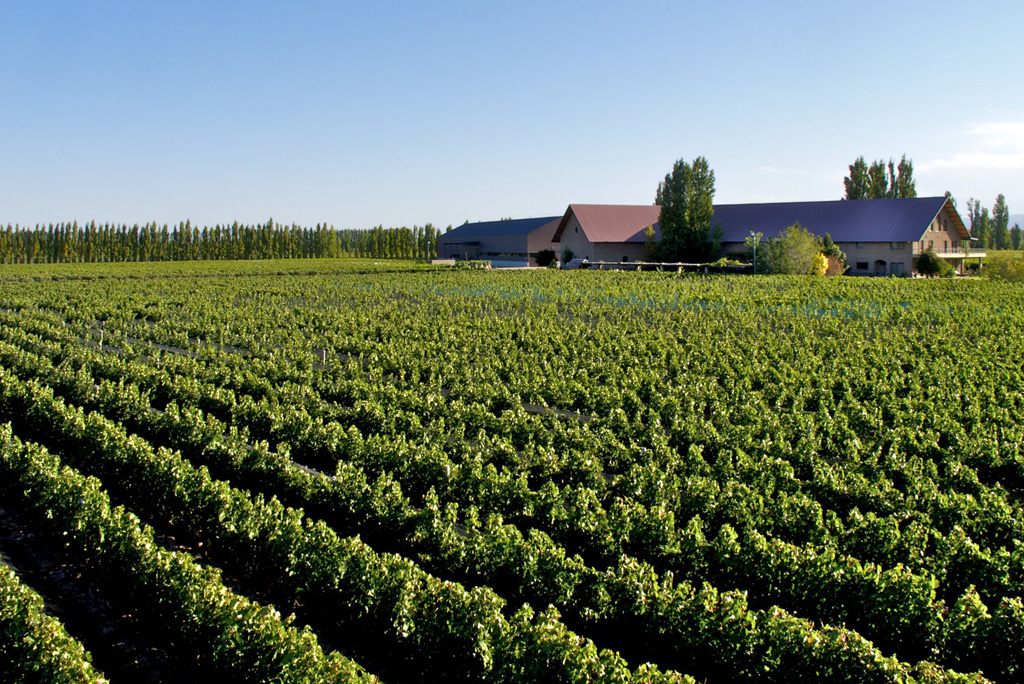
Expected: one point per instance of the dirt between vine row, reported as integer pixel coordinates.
(116, 641)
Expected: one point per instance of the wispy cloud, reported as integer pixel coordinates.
(996, 145)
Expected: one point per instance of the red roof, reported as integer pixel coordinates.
(611, 222)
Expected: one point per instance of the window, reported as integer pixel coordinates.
(899, 245)
(945, 246)
(625, 259)
(860, 245)
(931, 244)
(897, 267)
(862, 265)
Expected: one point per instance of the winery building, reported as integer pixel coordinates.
(513, 242)
(879, 237)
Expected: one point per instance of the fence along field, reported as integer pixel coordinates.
(517, 476)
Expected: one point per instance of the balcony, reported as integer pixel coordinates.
(954, 252)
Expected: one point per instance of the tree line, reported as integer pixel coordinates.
(880, 180)
(993, 231)
(92, 242)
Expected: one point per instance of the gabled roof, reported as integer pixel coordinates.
(611, 222)
(885, 220)
(470, 231)
(882, 220)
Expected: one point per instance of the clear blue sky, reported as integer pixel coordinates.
(400, 113)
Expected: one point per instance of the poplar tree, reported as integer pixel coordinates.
(979, 223)
(857, 182)
(905, 185)
(880, 180)
(1001, 223)
(686, 198)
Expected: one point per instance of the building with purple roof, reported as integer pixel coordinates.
(510, 242)
(879, 237)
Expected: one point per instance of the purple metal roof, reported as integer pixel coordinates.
(884, 220)
(491, 228)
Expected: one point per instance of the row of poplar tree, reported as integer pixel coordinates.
(92, 242)
(880, 181)
(993, 230)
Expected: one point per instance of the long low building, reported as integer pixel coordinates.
(879, 237)
(512, 242)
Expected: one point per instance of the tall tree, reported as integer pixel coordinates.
(686, 198)
(904, 183)
(979, 231)
(1000, 223)
(857, 182)
(880, 180)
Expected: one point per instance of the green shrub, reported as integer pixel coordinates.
(546, 257)
(931, 264)
(795, 251)
(1004, 265)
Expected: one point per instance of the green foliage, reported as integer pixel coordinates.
(980, 229)
(650, 245)
(902, 183)
(797, 251)
(793, 252)
(546, 257)
(34, 646)
(235, 638)
(1001, 223)
(835, 257)
(473, 265)
(879, 181)
(931, 264)
(455, 633)
(92, 243)
(686, 198)
(857, 182)
(1006, 266)
(567, 255)
(837, 524)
